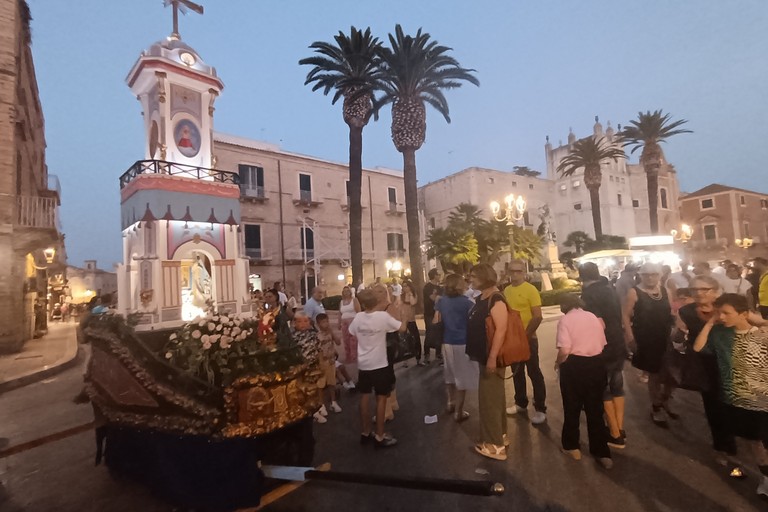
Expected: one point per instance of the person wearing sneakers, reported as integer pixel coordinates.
(741, 351)
(460, 373)
(524, 298)
(600, 299)
(375, 374)
(327, 343)
(490, 390)
(580, 344)
(648, 321)
(306, 338)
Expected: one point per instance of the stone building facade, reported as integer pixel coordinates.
(29, 196)
(295, 216)
(721, 215)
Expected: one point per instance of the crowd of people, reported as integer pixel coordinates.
(700, 329)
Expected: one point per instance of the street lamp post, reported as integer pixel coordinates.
(514, 209)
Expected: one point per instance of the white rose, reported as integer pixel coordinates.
(211, 326)
(196, 334)
(224, 319)
(201, 323)
(214, 338)
(218, 327)
(216, 318)
(205, 339)
(226, 340)
(206, 346)
(224, 344)
(236, 331)
(173, 337)
(168, 355)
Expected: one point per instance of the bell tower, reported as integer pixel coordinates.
(182, 243)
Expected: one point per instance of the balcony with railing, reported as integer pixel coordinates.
(252, 192)
(161, 167)
(257, 254)
(305, 198)
(395, 209)
(37, 222)
(345, 204)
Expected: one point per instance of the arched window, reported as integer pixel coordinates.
(663, 194)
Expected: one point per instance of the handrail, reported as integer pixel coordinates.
(174, 169)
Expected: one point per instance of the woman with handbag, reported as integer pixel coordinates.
(580, 344)
(408, 302)
(461, 374)
(491, 399)
(705, 291)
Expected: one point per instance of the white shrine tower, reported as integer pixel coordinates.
(182, 245)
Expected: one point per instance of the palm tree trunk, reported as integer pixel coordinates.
(355, 208)
(412, 220)
(652, 176)
(597, 221)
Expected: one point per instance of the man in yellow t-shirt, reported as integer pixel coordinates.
(524, 298)
(760, 265)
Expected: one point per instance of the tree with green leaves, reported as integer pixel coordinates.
(578, 240)
(456, 250)
(416, 70)
(466, 217)
(589, 153)
(647, 132)
(351, 69)
(524, 170)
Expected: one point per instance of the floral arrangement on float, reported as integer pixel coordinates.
(221, 347)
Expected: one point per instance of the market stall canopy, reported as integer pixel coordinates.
(611, 253)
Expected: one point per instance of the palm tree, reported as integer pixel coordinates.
(416, 70)
(524, 244)
(351, 69)
(455, 250)
(466, 217)
(648, 132)
(589, 153)
(579, 240)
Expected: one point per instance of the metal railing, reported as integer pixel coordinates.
(37, 212)
(256, 253)
(251, 191)
(174, 169)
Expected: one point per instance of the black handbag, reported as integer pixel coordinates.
(434, 336)
(688, 369)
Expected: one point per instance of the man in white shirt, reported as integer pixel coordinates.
(370, 327)
(736, 283)
(281, 296)
(397, 290)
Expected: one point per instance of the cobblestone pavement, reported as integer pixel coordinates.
(660, 470)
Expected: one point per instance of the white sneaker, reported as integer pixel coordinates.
(323, 410)
(319, 417)
(349, 385)
(762, 489)
(538, 418)
(515, 409)
(335, 407)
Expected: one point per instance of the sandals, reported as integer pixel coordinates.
(461, 416)
(491, 451)
(450, 408)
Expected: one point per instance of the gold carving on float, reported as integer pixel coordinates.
(261, 404)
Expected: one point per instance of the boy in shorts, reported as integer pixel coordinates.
(327, 341)
(375, 374)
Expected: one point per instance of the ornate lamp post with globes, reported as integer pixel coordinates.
(514, 209)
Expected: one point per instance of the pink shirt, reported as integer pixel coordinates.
(580, 333)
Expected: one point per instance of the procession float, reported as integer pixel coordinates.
(192, 385)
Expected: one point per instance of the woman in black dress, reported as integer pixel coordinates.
(647, 327)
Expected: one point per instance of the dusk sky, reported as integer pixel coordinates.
(543, 67)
